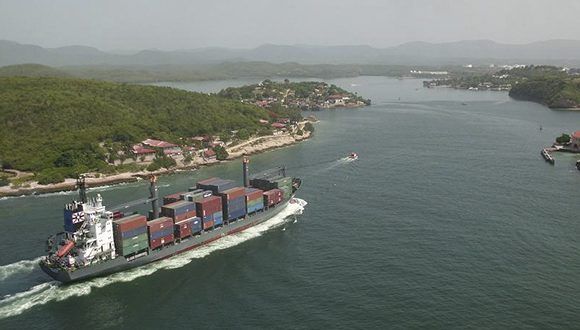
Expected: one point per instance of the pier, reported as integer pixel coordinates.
(547, 156)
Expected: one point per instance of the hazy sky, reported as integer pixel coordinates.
(179, 24)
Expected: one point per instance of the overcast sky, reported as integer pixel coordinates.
(186, 24)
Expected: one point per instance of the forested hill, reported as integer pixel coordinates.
(554, 92)
(47, 123)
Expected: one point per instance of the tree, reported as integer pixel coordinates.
(220, 153)
(563, 139)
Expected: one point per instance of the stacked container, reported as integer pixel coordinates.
(196, 195)
(130, 234)
(179, 210)
(172, 198)
(234, 203)
(160, 231)
(282, 183)
(209, 210)
(187, 227)
(254, 200)
(216, 185)
(273, 197)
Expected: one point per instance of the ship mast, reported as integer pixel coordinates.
(246, 170)
(82, 185)
(154, 196)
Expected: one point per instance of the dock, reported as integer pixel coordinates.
(547, 156)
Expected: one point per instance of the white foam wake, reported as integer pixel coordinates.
(53, 291)
(19, 267)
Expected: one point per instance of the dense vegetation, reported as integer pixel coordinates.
(553, 92)
(60, 126)
(231, 70)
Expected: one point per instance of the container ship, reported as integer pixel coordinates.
(97, 242)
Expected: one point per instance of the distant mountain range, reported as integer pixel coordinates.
(558, 52)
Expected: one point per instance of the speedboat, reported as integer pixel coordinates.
(353, 156)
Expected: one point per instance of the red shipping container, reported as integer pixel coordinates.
(130, 222)
(172, 198)
(207, 181)
(209, 205)
(254, 194)
(207, 224)
(273, 196)
(183, 229)
(184, 216)
(233, 193)
(159, 224)
(155, 243)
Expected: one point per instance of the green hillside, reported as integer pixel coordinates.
(59, 124)
(31, 70)
(554, 92)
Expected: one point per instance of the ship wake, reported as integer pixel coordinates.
(39, 294)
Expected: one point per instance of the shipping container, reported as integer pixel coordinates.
(254, 207)
(179, 210)
(159, 224)
(133, 248)
(233, 209)
(198, 195)
(161, 233)
(253, 194)
(236, 214)
(183, 228)
(172, 198)
(132, 245)
(207, 181)
(217, 186)
(218, 218)
(129, 223)
(233, 193)
(133, 232)
(130, 240)
(208, 206)
(155, 243)
(273, 197)
(207, 224)
(196, 225)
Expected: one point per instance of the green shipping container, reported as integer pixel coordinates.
(122, 245)
(136, 247)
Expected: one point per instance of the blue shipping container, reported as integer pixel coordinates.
(161, 233)
(195, 225)
(236, 214)
(218, 218)
(254, 208)
(134, 232)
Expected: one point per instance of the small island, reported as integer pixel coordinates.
(306, 95)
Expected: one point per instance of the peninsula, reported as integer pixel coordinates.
(53, 129)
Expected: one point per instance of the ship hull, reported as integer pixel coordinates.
(121, 263)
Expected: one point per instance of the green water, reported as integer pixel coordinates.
(450, 218)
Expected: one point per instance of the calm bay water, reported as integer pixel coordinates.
(450, 218)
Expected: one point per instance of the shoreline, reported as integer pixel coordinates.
(251, 147)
